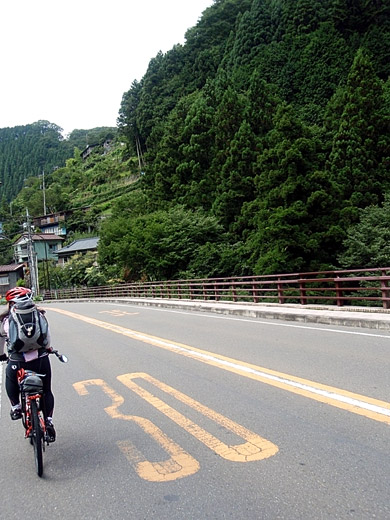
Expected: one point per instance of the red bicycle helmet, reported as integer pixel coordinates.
(18, 294)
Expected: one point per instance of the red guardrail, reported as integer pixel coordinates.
(369, 287)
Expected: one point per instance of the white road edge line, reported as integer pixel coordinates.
(253, 320)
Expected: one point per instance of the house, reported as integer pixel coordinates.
(9, 275)
(45, 246)
(53, 223)
(77, 246)
(88, 150)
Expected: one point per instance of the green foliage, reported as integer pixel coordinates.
(102, 177)
(127, 121)
(6, 251)
(368, 241)
(361, 144)
(294, 213)
(236, 184)
(81, 270)
(156, 246)
(179, 72)
(82, 138)
(27, 151)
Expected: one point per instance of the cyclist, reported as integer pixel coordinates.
(37, 361)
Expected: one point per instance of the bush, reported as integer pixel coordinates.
(160, 245)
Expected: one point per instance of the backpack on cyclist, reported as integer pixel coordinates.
(28, 327)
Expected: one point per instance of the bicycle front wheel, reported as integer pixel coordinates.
(37, 438)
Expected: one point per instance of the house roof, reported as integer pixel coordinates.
(42, 237)
(84, 244)
(46, 236)
(90, 146)
(10, 268)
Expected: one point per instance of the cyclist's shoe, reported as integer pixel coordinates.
(16, 413)
(50, 432)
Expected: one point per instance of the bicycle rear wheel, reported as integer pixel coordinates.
(37, 438)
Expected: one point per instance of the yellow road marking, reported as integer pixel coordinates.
(117, 312)
(256, 447)
(180, 464)
(355, 403)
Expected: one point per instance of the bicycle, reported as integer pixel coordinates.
(31, 392)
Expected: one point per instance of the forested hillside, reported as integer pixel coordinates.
(273, 118)
(31, 150)
(27, 151)
(263, 145)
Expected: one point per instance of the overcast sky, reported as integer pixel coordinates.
(70, 61)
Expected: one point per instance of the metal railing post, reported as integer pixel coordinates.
(302, 291)
(339, 292)
(280, 292)
(255, 297)
(385, 294)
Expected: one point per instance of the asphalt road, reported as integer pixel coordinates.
(165, 414)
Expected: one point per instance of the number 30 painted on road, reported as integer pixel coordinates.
(180, 464)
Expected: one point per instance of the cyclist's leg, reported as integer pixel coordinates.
(48, 397)
(12, 389)
(45, 368)
(11, 382)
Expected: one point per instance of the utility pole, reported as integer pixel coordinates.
(44, 192)
(32, 258)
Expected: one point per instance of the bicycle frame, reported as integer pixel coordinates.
(27, 397)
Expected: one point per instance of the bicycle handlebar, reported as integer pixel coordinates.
(61, 357)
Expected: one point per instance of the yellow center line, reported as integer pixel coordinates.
(355, 403)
